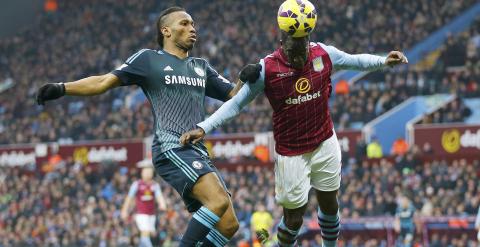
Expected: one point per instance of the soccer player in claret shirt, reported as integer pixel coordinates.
(175, 84)
(144, 192)
(296, 80)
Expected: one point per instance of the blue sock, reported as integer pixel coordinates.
(145, 242)
(286, 237)
(330, 226)
(199, 226)
(215, 239)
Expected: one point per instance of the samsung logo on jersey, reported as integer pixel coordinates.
(302, 98)
(191, 81)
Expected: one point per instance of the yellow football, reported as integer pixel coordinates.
(297, 17)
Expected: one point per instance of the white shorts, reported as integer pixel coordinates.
(145, 222)
(296, 175)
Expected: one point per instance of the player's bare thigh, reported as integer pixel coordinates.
(210, 192)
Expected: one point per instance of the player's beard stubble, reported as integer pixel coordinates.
(185, 43)
(186, 46)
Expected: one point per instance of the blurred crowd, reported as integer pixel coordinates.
(77, 205)
(77, 39)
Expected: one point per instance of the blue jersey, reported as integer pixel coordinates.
(405, 214)
(176, 89)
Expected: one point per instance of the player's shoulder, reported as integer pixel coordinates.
(146, 51)
(141, 54)
(275, 55)
(134, 185)
(318, 45)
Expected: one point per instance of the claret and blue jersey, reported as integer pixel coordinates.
(299, 97)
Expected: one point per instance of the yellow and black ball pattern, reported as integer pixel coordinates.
(297, 17)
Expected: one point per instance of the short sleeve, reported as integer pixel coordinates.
(217, 86)
(133, 189)
(157, 191)
(135, 69)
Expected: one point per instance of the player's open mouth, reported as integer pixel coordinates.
(193, 38)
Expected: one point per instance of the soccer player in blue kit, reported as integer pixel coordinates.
(175, 84)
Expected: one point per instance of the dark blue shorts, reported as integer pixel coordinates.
(181, 168)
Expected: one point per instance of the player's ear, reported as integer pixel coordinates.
(166, 31)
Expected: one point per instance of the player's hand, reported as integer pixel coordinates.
(396, 58)
(50, 91)
(250, 73)
(192, 136)
(124, 215)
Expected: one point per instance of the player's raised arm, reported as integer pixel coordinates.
(254, 74)
(343, 60)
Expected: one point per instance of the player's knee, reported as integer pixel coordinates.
(219, 206)
(232, 227)
(293, 221)
(328, 202)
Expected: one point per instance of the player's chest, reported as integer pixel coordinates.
(296, 83)
(145, 192)
(281, 80)
(178, 75)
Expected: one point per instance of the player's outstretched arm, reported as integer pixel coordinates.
(252, 74)
(342, 60)
(92, 85)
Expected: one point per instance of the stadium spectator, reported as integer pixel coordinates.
(374, 149)
(261, 220)
(477, 224)
(78, 39)
(453, 112)
(368, 188)
(399, 146)
(50, 6)
(404, 222)
(101, 52)
(342, 87)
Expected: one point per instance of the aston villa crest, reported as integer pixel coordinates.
(318, 64)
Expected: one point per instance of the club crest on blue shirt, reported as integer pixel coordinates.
(318, 64)
(197, 165)
(199, 71)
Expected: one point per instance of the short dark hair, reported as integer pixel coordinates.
(161, 22)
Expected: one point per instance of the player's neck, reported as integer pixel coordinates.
(175, 50)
